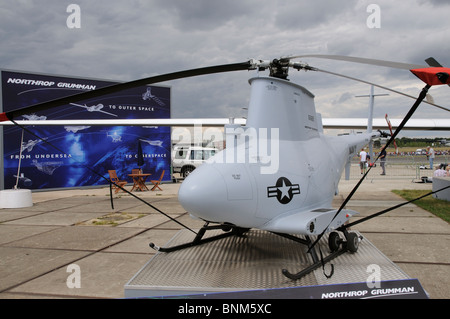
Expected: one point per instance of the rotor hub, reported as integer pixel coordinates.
(279, 68)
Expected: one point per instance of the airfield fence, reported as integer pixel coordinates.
(414, 168)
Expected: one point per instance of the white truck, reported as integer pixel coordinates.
(187, 158)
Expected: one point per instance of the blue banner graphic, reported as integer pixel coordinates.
(75, 156)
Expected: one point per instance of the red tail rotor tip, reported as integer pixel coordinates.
(433, 76)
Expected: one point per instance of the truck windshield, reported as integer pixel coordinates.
(201, 154)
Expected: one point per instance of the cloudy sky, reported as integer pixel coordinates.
(127, 40)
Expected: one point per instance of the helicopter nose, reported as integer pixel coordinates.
(203, 192)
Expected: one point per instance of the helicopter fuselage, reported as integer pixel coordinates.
(282, 190)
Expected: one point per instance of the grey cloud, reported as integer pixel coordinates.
(436, 2)
(205, 15)
(344, 98)
(304, 15)
(126, 40)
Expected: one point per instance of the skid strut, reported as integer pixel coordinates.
(315, 265)
(199, 240)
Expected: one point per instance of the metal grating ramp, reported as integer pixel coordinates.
(247, 263)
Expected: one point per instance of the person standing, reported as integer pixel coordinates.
(362, 160)
(383, 160)
(430, 155)
(440, 171)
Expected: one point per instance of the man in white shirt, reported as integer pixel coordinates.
(362, 160)
(430, 155)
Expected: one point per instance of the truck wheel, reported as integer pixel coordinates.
(187, 171)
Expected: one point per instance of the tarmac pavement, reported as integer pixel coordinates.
(76, 232)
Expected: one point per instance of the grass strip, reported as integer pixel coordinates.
(438, 207)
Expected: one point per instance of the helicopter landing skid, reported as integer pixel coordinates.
(316, 265)
(199, 240)
(337, 246)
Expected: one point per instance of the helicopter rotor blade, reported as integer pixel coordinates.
(381, 87)
(432, 62)
(398, 65)
(389, 64)
(127, 85)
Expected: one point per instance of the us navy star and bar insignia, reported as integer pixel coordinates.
(283, 190)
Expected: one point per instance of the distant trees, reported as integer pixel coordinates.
(415, 142)
(419, 142)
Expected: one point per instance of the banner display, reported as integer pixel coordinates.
(75, 156)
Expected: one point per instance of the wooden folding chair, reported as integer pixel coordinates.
(116, 182)
(156, 183)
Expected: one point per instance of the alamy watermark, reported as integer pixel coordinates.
(374, 19)
(374, 279)
(73, 21)
(244, 145)
(74, 279)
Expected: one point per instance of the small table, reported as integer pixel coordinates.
(139, 181)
